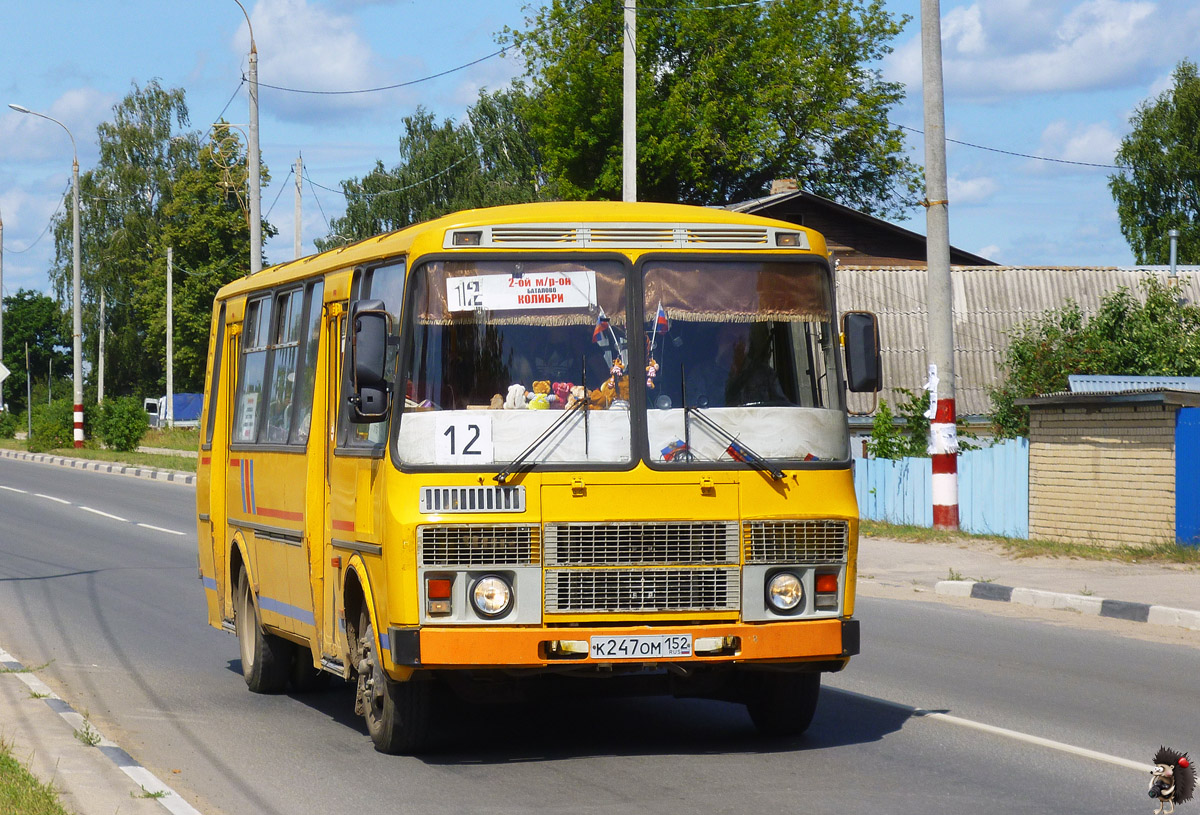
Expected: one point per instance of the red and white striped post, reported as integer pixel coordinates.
(78, 425)
(943, 450)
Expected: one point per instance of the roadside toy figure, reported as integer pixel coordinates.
(1172, 780)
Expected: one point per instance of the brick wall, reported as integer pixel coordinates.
(1102, 476)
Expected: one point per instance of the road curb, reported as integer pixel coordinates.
(107, 467)
(168, 798)
(1084, 604)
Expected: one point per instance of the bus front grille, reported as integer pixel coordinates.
(582, 591)
(478, 544)
(629, 543)
(808, 541)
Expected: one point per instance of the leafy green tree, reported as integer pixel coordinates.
(1156, 335)
(134, 203)
(34, 318)
(1160, 189)
(730, 96)
(487, 160)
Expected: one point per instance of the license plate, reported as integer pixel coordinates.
(645, 646)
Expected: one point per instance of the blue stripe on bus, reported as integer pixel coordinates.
(209, 583)
(287, 610)
(385, 642)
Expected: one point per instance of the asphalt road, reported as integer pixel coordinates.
(117, 612)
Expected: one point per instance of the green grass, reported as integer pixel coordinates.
(1160, 552)
(180, 438)
(153, 460)
(21, 793)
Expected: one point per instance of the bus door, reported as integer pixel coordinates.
(210, 482)
(357, 456)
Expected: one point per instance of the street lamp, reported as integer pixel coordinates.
(253, 157)
(76, 319)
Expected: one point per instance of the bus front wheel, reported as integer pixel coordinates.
(781, 704)
(397, 713)
(266, 659)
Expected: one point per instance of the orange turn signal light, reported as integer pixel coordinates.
(827, 583)
(438, 588)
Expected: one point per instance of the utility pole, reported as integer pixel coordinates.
(253, 157)
(943, 432)
(100, 356)
(28, 396)
(1, 308)
(170, 338)
(629, 106)
(297, 242)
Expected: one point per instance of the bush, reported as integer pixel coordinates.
(53, 426)
(8, 424)
(122, 423)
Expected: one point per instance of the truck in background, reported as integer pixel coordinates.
(186, 414)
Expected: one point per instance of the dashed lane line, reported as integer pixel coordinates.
(161, 529)
(104, 514)
(13, 489)
(52, 498)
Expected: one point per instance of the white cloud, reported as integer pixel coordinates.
(1093, 143)
(32, 138)
(968, 191)
(991, 252)
(995, 48)
(305, 46)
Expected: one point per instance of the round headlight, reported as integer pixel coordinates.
(492, 595)
(785, 592)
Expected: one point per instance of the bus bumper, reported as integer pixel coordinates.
(830, 641)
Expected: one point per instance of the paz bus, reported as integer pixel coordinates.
(579, 439)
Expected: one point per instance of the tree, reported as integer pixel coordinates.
(730, 96)
(1155, 336)
(34, 318)
(1159, 187)
(146, 191)
(487, 160)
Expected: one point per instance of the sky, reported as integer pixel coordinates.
(1053, 79)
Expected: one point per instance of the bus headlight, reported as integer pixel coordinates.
(492, 596)
(785, 592)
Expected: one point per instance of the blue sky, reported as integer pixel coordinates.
(1051, 78)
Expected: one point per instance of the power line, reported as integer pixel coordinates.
(387, 87)
(1022, 155)
(62, 200)
(282, 187)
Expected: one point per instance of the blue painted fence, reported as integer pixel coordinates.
(993, 490)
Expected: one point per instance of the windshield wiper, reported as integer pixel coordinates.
(738, 450)
(502, 476)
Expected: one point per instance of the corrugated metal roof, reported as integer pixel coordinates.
(988, 302)
(1111, 383)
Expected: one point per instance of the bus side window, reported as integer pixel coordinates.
(310, 341)
(384, 283)
(214, 392)
(255, 337)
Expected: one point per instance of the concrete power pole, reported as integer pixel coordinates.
(297, 242)
(170, 337)
(100, 355)
(943, 433)
(1, 308)
(629, 106)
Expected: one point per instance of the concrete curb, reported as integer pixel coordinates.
(1098, 606)
(150, 473)
(168, 798)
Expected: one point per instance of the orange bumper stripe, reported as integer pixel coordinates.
(509, 647)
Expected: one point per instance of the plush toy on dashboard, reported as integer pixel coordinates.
(560, 393)
(617, 386)
(540, 399)
(497, 402)
(578, 394)
(651, 373)
(516, 398)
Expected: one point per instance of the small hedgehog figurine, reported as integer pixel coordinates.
(1172, 780)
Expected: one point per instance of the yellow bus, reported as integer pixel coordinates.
(579, 439)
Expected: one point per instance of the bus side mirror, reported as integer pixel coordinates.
(371, 397)
(861, 339)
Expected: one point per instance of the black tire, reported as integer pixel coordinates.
(781, 704)
(266, 659)
(397, 713)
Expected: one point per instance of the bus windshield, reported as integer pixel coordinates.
(749, 344)
(499, 348)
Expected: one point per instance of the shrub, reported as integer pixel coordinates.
(122, 423)
(8, 424)
(53, 426)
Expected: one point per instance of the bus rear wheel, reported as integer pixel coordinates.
(397, 713)
(781, 704)
(266, 659)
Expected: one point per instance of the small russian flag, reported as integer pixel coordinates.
(736, 451)
(660, 320)
(601, 325)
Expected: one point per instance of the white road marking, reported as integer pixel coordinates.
(13, 489)
(104, 514)
(51, 498)
(1016, 735)
(160, 529)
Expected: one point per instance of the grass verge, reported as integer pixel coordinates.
(21, 793)
(153, 460)
(1160, 552)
